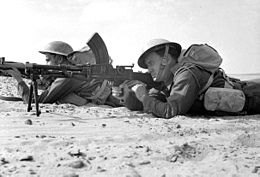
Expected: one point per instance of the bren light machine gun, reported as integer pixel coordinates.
(101, 70)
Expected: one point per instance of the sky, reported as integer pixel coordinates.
(232, 27)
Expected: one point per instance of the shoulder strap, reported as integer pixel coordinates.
(100, 91)
(210, 81)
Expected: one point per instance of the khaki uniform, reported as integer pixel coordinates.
(188, 80)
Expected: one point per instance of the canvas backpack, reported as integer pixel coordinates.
(215, 99)
(203, 56)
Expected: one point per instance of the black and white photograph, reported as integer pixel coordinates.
(130, 88)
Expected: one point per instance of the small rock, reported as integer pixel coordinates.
(28, 122)
(104, 125)
(145, 162)
(140, 146)
(91, 158)
(3, 161)
(148, 149)
(130, 165)
(71, 175)
(128, 156)
(40, 136)
(72, 124)
(178, 126)
(27, 158)
(172, 158)
(76, 164)
(76, 152)
(256, 169)
(100, 169)
(32, 172)
(247, 166)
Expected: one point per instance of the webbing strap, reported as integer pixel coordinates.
(210, 81)
(163, 60)
(166, 52)
(100, 91)
(228, 83)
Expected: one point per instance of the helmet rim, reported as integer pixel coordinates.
(160, 43)
(57, 47)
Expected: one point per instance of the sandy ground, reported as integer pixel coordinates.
(70, 141)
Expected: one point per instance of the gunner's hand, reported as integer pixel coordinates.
(140, 91)
(121, 93)
(124, 87)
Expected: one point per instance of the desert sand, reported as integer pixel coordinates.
(91, 140)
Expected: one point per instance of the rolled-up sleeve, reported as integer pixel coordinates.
(183, 93)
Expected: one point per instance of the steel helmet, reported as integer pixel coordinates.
(154, 45)
(57, 47)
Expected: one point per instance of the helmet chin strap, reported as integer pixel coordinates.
(164, 61)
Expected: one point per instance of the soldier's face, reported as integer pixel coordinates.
(50, 59)
(153, 63)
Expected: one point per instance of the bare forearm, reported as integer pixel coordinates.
(23, 91)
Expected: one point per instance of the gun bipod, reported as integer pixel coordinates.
(33, 92)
